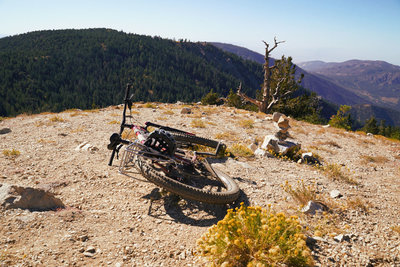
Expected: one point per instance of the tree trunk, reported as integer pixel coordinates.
(263, 105)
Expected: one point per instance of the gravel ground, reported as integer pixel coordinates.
(117, 220)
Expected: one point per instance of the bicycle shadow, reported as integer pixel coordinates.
(173, 208)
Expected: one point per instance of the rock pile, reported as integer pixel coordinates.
(277, 143)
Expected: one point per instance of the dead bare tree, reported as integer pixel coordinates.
(271, 96)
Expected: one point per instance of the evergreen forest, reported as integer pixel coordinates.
(62, 69)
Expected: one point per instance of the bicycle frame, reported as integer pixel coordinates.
(116, 142)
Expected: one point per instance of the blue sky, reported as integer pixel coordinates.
(327, 30)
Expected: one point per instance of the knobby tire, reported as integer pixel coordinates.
(184, 190)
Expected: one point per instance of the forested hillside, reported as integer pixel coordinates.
(57, 70)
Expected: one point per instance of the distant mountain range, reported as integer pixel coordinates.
(375, 81)
(372, 88)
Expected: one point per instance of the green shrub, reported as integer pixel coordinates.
(233, 100)
(210, 99)
(342, 118)
(252, 236)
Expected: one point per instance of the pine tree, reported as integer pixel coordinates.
(371, 126)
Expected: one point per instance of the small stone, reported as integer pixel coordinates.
(370, 134)
(5, 131)
(283, 123)
(253, 147)
(340, 238)
(80, 146)
(276, 116)
(326, 126)
(309, 158)
(335, 194)
(313, 207)
(90, 249)
(83, 238)
(312, 240)
(186, 111)
(88, 254)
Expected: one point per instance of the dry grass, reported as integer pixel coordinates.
(334, 172)
(113, 122)
(162, 118)
(209, 110)
(128, 134)
(150, 105)
(78, 113)
(92, 110)
(197, 123)
(240, 150)
(79, 129)
(72, 110)
(301, 193)
(45, 141)
(321, 148)
(246, 123)
(299, 130)
(357, 203)
(57, 119)
(366, 159)
(325, 224)
(195, 115)
(168, 112)
(260, 115)
(396, 229)
(327, 143)
(227, 136)
(11, 153)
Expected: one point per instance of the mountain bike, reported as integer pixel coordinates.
(170, 158)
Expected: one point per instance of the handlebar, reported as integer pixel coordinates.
(115, 140)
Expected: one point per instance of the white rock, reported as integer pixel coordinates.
(341, 238)
(259, 152)
(271, 142)
(335, 194)
(90, 249)
(80, 146)
(276, 116)
(312, 207)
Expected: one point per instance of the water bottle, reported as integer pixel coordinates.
(140, 133)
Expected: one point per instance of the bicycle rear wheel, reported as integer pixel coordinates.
(199, 182)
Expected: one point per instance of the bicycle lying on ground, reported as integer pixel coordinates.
(168, 158)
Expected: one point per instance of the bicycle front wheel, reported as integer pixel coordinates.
(200, 181)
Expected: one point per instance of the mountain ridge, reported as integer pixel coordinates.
(62, 69)
(375, 81)
(330, 89)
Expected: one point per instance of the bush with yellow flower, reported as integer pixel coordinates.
(254, 236)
